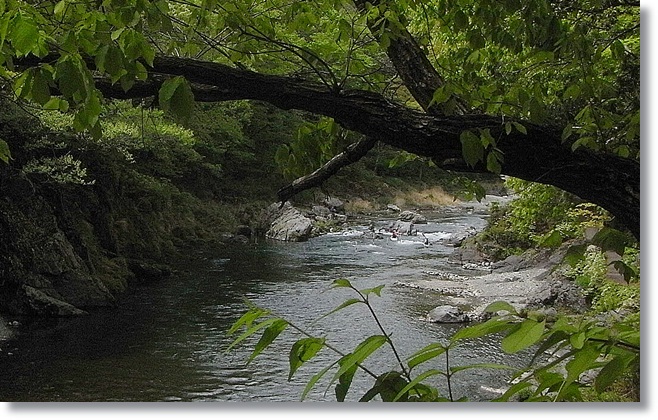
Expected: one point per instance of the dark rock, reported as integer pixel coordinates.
(243, 230)
(149, 271)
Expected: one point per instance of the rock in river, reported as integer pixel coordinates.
(447, 314)
(286, 223)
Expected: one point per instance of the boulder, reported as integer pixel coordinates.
(286, 223)
(334, 204)
(393, 207)
(402, 227)
(447, 314)
(413, 217)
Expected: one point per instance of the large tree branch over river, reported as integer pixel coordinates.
(539, 155)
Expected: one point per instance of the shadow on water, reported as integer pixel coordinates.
(167, 342)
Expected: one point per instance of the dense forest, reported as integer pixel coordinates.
(133, 132)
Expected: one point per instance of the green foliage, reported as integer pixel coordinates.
(541, 215)
(590, 272)
(59, 170)
(565, 349)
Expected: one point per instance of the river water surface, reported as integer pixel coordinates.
(167, 341)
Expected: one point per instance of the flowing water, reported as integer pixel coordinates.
(167, 341)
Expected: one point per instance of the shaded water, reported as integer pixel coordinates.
(166, 341)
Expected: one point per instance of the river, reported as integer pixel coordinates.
(167, 341)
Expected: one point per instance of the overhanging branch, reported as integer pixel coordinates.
(353, 153)
(539, 155)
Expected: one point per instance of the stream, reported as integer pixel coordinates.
(167, 341)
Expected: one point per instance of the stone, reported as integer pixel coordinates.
(413, 217)
(288, 224)
(393, 207)
(447, 314)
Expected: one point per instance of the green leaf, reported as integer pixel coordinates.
(175, 96)
(500, 305)
(247, 319)
(344, 383)
(493, 164)
(612, 371)
(418, 379)
(574, 254)
(577, 340)
(572, 92)
(460, 20)
(24, 35)
(472, 149)
(56, 104)
(360, 353)
(525, 335)
(342, 283)
(625, 270)
(5, 153)
(491, 326)
(389, 384)
(426, 353)
(269, 335)
(555, 338)
(302, 351)
(583, 360)
(520, 127)
(40, 90)
(253, 330)
(376, 290)
(609, 239)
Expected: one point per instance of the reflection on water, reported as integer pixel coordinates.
(167, 342)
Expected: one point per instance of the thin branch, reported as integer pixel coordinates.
(353, 153)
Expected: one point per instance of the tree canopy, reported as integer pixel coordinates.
(543, 90)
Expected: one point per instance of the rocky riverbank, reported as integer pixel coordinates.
(533, 280)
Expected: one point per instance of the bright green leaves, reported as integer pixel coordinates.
(302, 351)
(523, 336)
(24, 35)
(271, 332)
(428, 352)
(176, 97)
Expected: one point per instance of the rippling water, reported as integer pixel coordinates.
(167, 341)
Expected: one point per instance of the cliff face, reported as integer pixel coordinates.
(47, 266)
(66, 247)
